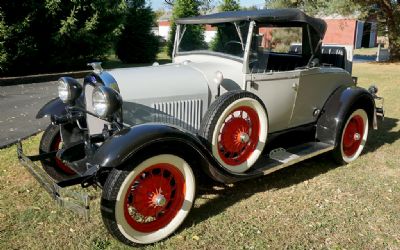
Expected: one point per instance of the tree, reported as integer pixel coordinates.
(229, 32)
(229, 5)
(194, 35)
(318, 7)
(49, 35)
(137, 43)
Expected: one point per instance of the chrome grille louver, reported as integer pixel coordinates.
(186, 114)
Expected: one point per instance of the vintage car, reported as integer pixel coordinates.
(256, 92)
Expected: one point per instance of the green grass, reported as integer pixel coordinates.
(366, 51)
(314, 204)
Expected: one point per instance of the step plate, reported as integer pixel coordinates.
(281, 158)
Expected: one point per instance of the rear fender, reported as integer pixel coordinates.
(337, 108)
(141, 139)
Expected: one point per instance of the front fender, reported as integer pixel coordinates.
(57, 107)
(53, 107)
(127, 143)
(337, 108)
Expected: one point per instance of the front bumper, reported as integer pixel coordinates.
(74, 201)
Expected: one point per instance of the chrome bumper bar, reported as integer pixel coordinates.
(77, 202)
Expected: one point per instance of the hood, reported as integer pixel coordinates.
(160, 83)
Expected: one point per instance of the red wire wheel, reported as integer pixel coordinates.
(239, 135)
(154, 197)
(236, 127)
(148, 199)
(354, 136)
(55, 146)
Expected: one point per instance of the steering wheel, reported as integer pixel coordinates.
(233, 47)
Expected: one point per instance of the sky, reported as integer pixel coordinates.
(157, 4)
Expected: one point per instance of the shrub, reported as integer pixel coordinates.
(51, 35)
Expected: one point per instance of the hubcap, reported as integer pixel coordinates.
(154, 197)
(244, 138)
(159, 200)
(239, 135)
(353, 135)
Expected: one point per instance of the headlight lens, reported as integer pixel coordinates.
(69, 89)
(64, 91)
(100, 104)
(106, 101)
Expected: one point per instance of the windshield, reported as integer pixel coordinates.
(226, 38)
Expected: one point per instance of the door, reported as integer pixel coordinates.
(278, 91)
(315, 86)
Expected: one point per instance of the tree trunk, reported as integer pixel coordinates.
(394, 38)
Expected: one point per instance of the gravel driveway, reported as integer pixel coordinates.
(18, 107)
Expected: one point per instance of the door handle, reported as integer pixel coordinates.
(295, 86)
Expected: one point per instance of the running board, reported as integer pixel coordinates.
(282, 158)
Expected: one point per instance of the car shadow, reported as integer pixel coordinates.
(216, 197)
(384, 135)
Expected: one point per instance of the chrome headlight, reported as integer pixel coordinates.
(69, 89)
(106, 101)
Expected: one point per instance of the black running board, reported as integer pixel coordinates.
(282, 158)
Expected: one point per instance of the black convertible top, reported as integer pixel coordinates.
(267, 15)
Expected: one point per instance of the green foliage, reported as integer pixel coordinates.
(137, 44)
(193, 34)
(343, 7)
(50, 35)
(229, 32)
(229, 5)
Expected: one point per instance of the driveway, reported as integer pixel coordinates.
(18, 107)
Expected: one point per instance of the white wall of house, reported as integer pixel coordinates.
(209, 35)
(163, 31)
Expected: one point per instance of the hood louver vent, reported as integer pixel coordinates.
(185, 114)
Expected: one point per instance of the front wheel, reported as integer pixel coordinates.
(236, 129)
(51, 141)
(353, 137)
(146, 202)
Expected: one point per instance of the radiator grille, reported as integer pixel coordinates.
(186, 114)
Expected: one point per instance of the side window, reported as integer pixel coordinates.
(276, 49)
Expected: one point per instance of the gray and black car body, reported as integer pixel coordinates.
(247, 93)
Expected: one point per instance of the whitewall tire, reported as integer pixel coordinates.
(149, 202)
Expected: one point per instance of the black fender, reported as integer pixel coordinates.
(54, 107)
(129, 142)
(337, 108)
(58, 108)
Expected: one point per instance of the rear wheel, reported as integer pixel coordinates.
(147, 201)
(353, 137)
(54, 167)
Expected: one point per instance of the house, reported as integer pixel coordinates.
(351, 31)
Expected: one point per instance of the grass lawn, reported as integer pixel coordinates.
(314, 204)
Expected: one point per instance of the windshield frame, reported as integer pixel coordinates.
(180, 32)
